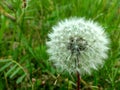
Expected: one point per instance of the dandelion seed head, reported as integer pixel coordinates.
(78, 44)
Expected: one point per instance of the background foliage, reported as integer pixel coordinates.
(24, 25)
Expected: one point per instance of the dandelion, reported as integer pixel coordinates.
(78, 45)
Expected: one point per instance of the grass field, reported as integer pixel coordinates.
(24, 26)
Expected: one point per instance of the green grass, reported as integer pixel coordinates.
(23, 32)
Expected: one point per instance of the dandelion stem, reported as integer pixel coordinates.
(78, 75)
(78, 81)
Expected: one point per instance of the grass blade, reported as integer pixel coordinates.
(19, 80)
(4, 60)
(5, 66)
(15, 72)
(10, 70)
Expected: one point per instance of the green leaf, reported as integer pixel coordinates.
(28, 47)
(15, 72)
(10, 70)
(3, 26)
(2, 84)
(5, 66)
(19, 80)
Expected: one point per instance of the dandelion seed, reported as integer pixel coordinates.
(78, 45)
